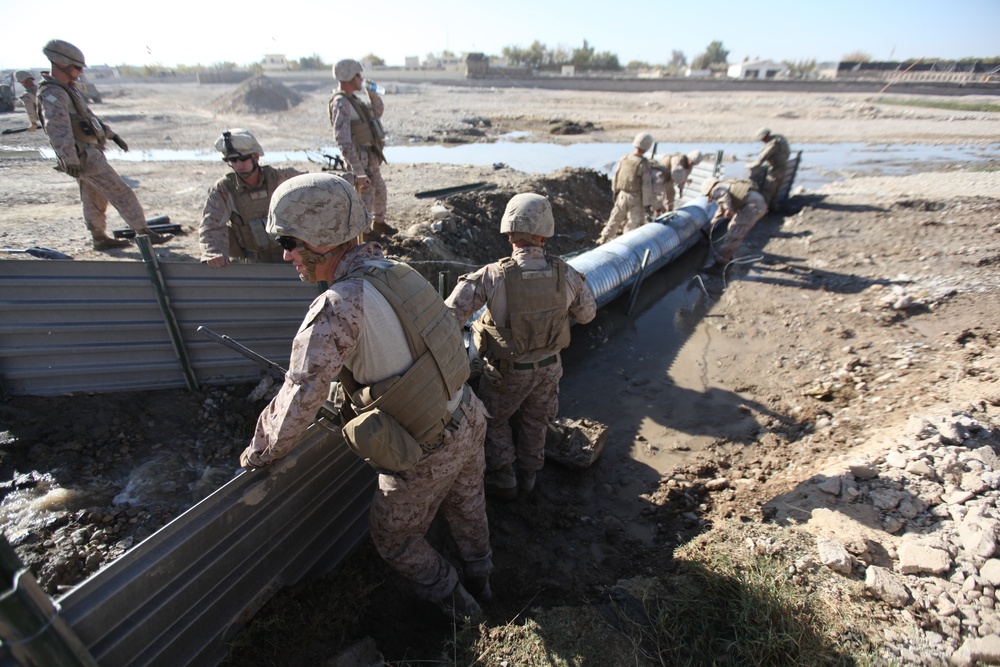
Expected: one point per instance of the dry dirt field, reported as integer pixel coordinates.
(865, 315)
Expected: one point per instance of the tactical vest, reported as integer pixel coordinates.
(87, 128)
(417, 399)
(628, 176)
(538, 318)
(367, 131)
(781, 151)
(739, 190)
(248, 237)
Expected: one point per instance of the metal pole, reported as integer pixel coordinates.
(30, 625)
(160, 288)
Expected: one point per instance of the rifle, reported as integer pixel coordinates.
(242, 349)
(39, 251)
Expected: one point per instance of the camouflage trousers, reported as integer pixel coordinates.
(663, 192)
(536, 393)
(629, 211)
(740, 226)
(101, 184)
(772, 184)
(376, 197)
(448, 480)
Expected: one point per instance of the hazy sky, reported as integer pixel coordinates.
(187, 32)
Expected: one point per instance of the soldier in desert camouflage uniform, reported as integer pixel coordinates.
(365, 329)
(78, 138)
(670, 172)
(235, 215)
(739, 199)
(529, 298)
(632, 185)
(772, 164)
(30, 96)
(355, 113)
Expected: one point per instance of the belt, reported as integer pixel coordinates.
(528, 365)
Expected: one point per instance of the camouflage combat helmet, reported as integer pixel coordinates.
(694, 157)
(347, 69)
(236, 142)
(63, 53)
(763, 133)
(528, 213)
(708, 186)
(643, 141)
(23, 75)
(320, 209)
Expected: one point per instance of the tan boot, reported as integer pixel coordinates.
(379, 227)
(460, 604)
(108, 243)
(501, 483)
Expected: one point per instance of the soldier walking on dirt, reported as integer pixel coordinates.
(78, 138)
(737, 197)
(670, 172)
(383, 329)
(768, 170)
(632, 185)
(529, 298)
(355, 113)
(234, 221)
(27, 81)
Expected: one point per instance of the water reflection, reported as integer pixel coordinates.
(821, 163)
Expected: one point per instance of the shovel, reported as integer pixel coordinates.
(38, 251)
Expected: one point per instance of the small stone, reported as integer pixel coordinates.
(990, 572)
(915, 558)
(886, 586)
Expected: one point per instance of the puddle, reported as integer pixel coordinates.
(821, 163)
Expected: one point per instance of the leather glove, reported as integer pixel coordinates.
(492, 374)
(72, 170)
(121, 143)
(250, 460)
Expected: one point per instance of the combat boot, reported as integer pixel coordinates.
(527, 481)
(108, 243)
(479, 587)
(460, 604)
(501, 483)
(382, 229)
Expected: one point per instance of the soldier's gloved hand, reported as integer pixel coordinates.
(217, 262)
(362, 182)
(73, 170)
(121, 143)
(250, 460)
(492, 374)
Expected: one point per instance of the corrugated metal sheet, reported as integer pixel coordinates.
(75, 326)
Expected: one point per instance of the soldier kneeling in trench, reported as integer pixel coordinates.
(398, 352)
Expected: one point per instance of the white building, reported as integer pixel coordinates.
(275, 62)
(760, 69)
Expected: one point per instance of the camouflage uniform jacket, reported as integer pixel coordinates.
(352, 325)
(485, 287)
(30, 104)
(56, 106)
(342, 112)
(775, 154)
(213, 234)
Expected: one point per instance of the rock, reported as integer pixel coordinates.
(440, 212)
(915, 558)
(978, 535)
(886, 586)
(977, 649)
(834, 555)
(990, 572)
(830, 485)
(863, 469)
(885, 499)
(575, 443)
(717, 484)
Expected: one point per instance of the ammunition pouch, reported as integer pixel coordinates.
(382, 442)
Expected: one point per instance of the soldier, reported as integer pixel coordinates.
(234, 220)
(672, 171)
(632, 185)
(529, 298)
(402, 364)
(768, 170)
(739, 197)
(357, 129)
(27, 80)
(78, 138)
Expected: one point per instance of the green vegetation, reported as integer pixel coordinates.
(714, 57)
(539, 56)
(942, 104)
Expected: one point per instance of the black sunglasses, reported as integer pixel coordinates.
(288, 243)
(239, 158)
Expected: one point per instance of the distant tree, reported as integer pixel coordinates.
(637, 64)
(714, 54)
(585, 58)
(858, 57)
(374, 60)
(312, 62)
(800, 69)
(678, 59)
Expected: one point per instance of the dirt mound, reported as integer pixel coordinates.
(258, 95)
